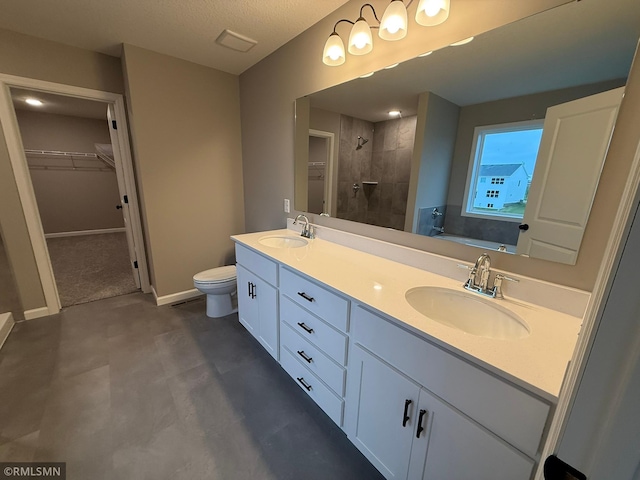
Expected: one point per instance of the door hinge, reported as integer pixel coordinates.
(126, 199)
(135, 264)
(114, 124)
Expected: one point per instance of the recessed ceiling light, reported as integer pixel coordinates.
(367, 75)
(462, 42)
(394, 113)
(425, 54)
(34, 101)
(391, 66)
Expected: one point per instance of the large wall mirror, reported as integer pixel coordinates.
(496, 143)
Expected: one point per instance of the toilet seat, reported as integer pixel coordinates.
(216, 275)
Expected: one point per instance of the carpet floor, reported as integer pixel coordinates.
(91, 267)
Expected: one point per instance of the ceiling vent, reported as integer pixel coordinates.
(235, 41)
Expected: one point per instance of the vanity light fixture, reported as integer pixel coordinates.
(432, 12)
(34, 102)
(392, 27)
(462, 42)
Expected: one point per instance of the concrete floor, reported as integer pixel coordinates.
(120, 388)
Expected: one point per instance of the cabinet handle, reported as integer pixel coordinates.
(420, 427)
(306, 297)
(305, 328)
(253, 291)
(249, 288)
(304, 384)
(305, 356)
(405, 417)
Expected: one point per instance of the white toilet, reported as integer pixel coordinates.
(220, 286)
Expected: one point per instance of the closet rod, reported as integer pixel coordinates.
(57, 153)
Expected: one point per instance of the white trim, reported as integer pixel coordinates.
(78, 233)
(6, 324)
(37, 313)
(18, 160)
(175, 297)
(594, 311)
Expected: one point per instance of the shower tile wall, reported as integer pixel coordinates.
(386, 159)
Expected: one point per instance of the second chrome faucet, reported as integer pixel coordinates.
(478, 281)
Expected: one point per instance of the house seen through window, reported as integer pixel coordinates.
(503, 159)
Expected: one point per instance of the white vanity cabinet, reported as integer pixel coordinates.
(257, 278)
(313, 341)
(418, 412)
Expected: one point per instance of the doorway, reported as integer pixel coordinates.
(71, 164)
(320, 171)
(48, 177)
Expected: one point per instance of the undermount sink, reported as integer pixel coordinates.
(283, 241)
(467, 312)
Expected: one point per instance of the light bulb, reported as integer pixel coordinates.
(432, 12)
(333, 54)
(393, 25)
(432, 7)
(360, 41)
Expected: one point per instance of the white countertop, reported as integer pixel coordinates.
(537, 362)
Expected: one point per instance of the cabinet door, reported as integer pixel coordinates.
(247, 304)
(458, 448)
(381, 413)
(266, 297)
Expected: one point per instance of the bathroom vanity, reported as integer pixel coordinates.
(419, 398)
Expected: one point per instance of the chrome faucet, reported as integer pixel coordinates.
(478, 281)
(307, 228)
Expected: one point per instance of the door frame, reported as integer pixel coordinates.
(328, 172)
(24, 185)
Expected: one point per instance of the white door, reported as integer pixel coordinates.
(574, 144)
(381, 413)
(124, 199)
(458, 448)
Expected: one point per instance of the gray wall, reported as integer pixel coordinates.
(438, 127)
(70, 200)
(185, 122)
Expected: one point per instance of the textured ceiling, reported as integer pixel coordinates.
(185, 29)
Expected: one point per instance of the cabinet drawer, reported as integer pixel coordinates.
(312, 358)
(317, 332)
(321, 394)
(329, 306)
(505, 409)
(261, 266)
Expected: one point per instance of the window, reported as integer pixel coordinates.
(505, 156)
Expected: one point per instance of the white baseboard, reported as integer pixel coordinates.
(36, 313)
(6, 324)
(175, 297)
(84, 232)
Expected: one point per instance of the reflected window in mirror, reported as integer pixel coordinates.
(501, 167)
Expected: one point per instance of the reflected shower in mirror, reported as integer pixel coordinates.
(461, 160)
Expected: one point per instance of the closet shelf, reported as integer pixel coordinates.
(72, 161)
